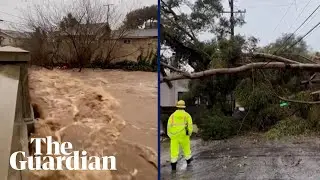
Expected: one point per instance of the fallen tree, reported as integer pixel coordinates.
(250, 66)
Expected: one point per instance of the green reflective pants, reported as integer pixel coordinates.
(184, 142)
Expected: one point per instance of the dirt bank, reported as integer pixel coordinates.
(78, 108)
(249, 158)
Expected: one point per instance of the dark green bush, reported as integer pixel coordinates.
(140, 65)
(214, 125)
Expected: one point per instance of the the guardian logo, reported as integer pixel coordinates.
(63, 158)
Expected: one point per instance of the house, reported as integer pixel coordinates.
(171, 92)
(137, 43)
(114, 46)
(12, 38)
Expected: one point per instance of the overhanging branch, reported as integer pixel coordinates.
(258, 65)
(175, 69)
(272, 57)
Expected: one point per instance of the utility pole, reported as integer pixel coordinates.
(231, 19)
(108, 10)
(232, 34)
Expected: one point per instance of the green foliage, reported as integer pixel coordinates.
(288, 127)
(256, 90)
(144, 63)
(215, 125)
(283, 45)
(138, 17)
(302, 110)
(313, 117)
(132, 66)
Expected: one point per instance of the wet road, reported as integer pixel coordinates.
(250, 159)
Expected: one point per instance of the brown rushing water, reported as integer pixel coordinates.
(102, 112)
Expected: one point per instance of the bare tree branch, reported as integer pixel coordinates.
(270, 56)
(312, 81)
(175, 69)
(79, 32)
(299, 55)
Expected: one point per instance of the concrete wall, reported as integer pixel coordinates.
(14, 133)
(14, 105)
(9, 81)
(13, 57)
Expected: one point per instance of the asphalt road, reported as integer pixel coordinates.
(247, 158)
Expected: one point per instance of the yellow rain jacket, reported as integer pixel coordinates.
(179, 130)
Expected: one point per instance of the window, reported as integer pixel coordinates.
(127, 41)
(1, 40)
(180, 95)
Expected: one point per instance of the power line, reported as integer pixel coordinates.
(2, 20)
(304, 8)
(11, 15)
(292, 34)
(269, 6)
(283, 16)
(295, 32)
(305, 35)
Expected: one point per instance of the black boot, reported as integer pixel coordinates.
(189, 161)
(174, 166)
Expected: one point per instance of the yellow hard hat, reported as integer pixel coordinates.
(181, 104)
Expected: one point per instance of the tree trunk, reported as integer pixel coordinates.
(250, 66)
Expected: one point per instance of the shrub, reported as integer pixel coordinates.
(140, 65)
(288, 127)
(214, 125)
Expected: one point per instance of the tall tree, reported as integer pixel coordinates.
(142, 16)
(180, 32)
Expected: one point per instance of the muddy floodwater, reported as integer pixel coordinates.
(248, 158)
(102, 112)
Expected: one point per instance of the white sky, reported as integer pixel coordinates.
(267, 20)
(11, 10)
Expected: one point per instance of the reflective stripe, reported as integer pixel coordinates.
(176, 132)
(178, 124)
(188, 157)
(175, 125)
(174, 160)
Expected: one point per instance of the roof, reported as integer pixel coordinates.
(12, 49)
(15, 34)
(142, 33)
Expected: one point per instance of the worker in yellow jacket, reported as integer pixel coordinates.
(179, 130)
